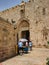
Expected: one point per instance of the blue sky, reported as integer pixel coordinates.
(5, 4)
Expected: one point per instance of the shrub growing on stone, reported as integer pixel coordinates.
(47, 61)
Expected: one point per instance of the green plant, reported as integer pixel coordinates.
(47, 61)
(48, 42)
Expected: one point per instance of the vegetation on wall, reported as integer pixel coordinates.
(47, 61)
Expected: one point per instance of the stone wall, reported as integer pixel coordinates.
(37, 12)
(7, 41)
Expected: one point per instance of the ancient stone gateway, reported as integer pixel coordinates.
(37, 13)
(23, 30)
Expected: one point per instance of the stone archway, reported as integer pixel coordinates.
(23, 30)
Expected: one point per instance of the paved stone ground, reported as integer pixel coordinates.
(36, 57)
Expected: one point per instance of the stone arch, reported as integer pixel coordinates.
(24, 19)
(24, 23)
(23, 28)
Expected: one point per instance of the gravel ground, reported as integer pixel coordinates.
(35, 57)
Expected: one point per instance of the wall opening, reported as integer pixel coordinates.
(25, 34)
(23, 30)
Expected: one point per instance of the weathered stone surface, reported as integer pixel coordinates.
(33, 16)
(7, 42)
(36, 14)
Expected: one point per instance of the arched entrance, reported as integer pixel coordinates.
(25, 34)
(23, 30)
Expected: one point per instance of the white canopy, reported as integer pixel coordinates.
(23, 40)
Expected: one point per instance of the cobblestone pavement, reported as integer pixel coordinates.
(35, 57)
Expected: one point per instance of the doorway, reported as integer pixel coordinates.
(25, 34)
